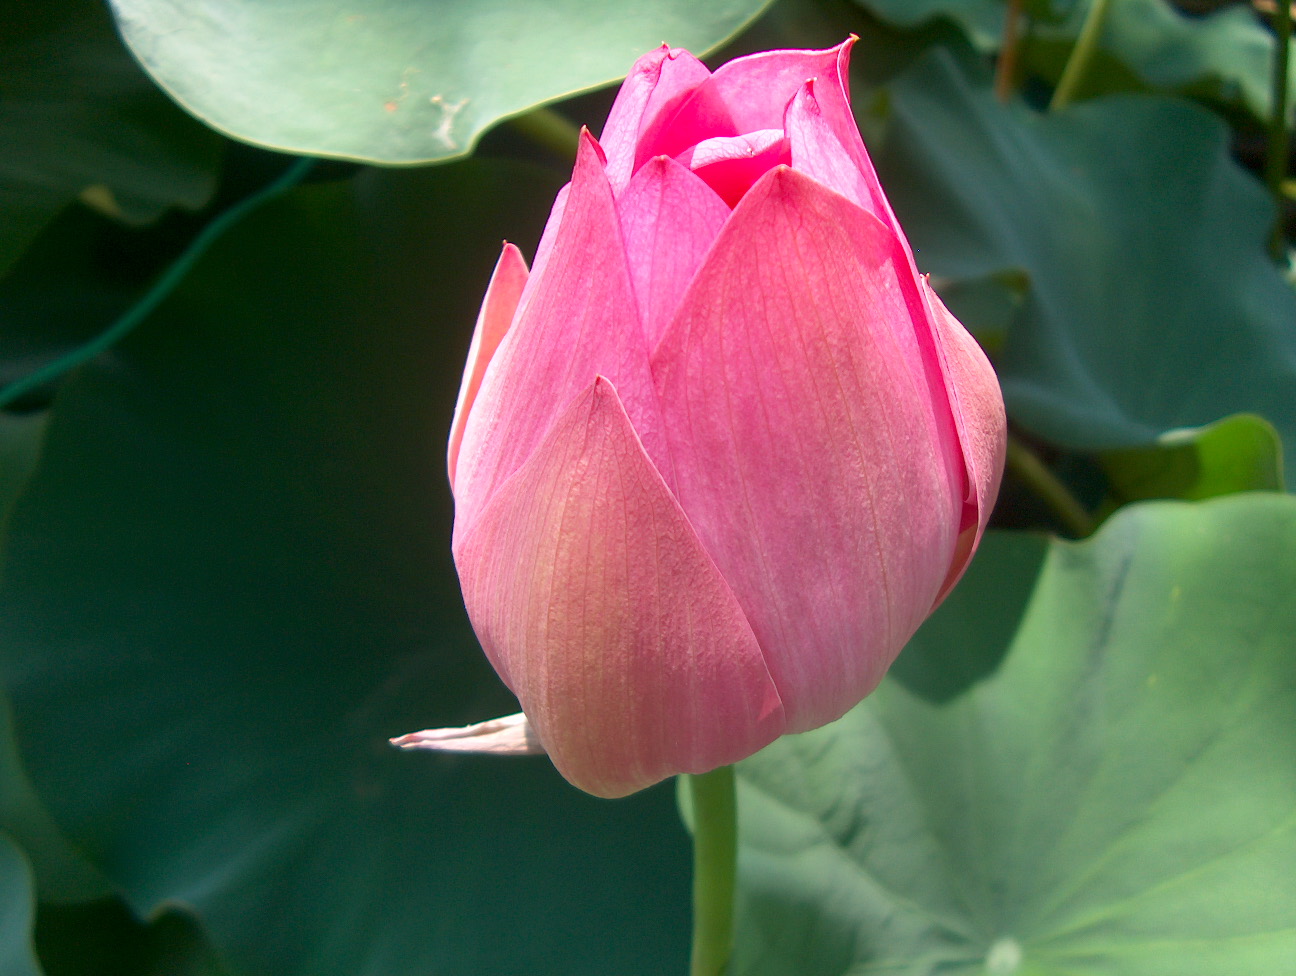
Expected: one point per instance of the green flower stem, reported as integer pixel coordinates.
(1027, 467)
(1276, 162)
(549, 130)
(715, 865)
(163, 287)
(1078, 63)
(1006, 67)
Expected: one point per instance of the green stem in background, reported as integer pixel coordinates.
(1006, 66)
(163, 287)
(1026, 466)
(1086, 46)
(715, 866)
(1276, 162)
(550, 130)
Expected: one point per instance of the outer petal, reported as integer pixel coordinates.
(493, 320)
(978, 407)
(597, 604)
(810, 453)
(669, 218)
(652, 93)
(577, 318)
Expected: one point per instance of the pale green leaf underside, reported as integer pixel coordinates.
(397, 81)
(1117, 799)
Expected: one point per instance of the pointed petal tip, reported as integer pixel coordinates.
(493, 321)
(804, 99)
(589, 144)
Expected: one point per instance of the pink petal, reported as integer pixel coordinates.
(669, 218)
(830, 150)
(577, 318)
(731, 164)
(812, 455)
(702, 115)
(817, 152)
(977, 403)
(598, 606)
(493, 320)
(745, 95)
(511, 735)
(652, 93)
(757, 89)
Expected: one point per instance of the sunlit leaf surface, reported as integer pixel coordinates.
(1117, 799)
(1152, 304)
(398, 81)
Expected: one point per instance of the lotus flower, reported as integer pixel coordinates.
(722, 450)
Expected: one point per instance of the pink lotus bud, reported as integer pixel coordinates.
(722, 450)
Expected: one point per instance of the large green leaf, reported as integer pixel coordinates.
(17, 912)
(61, 872)
(228, 582)
(77, 114)
(398, 81)
(1152, 303)
(20, 439)
(1117, 799)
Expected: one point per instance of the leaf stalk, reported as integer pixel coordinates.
(1086, 46)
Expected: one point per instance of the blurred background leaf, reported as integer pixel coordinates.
(1152, 302)
(1116, 799)
(104, 938)
(398, 81)
(1238, 453)
(228, 582)
(17, 911)
(1224, 56)
(20, 439)
(78, 117)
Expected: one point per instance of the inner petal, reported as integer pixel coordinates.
(731, 164)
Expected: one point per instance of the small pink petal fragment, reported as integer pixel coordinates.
(501, 301)
(511, 735)
(597, 604)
